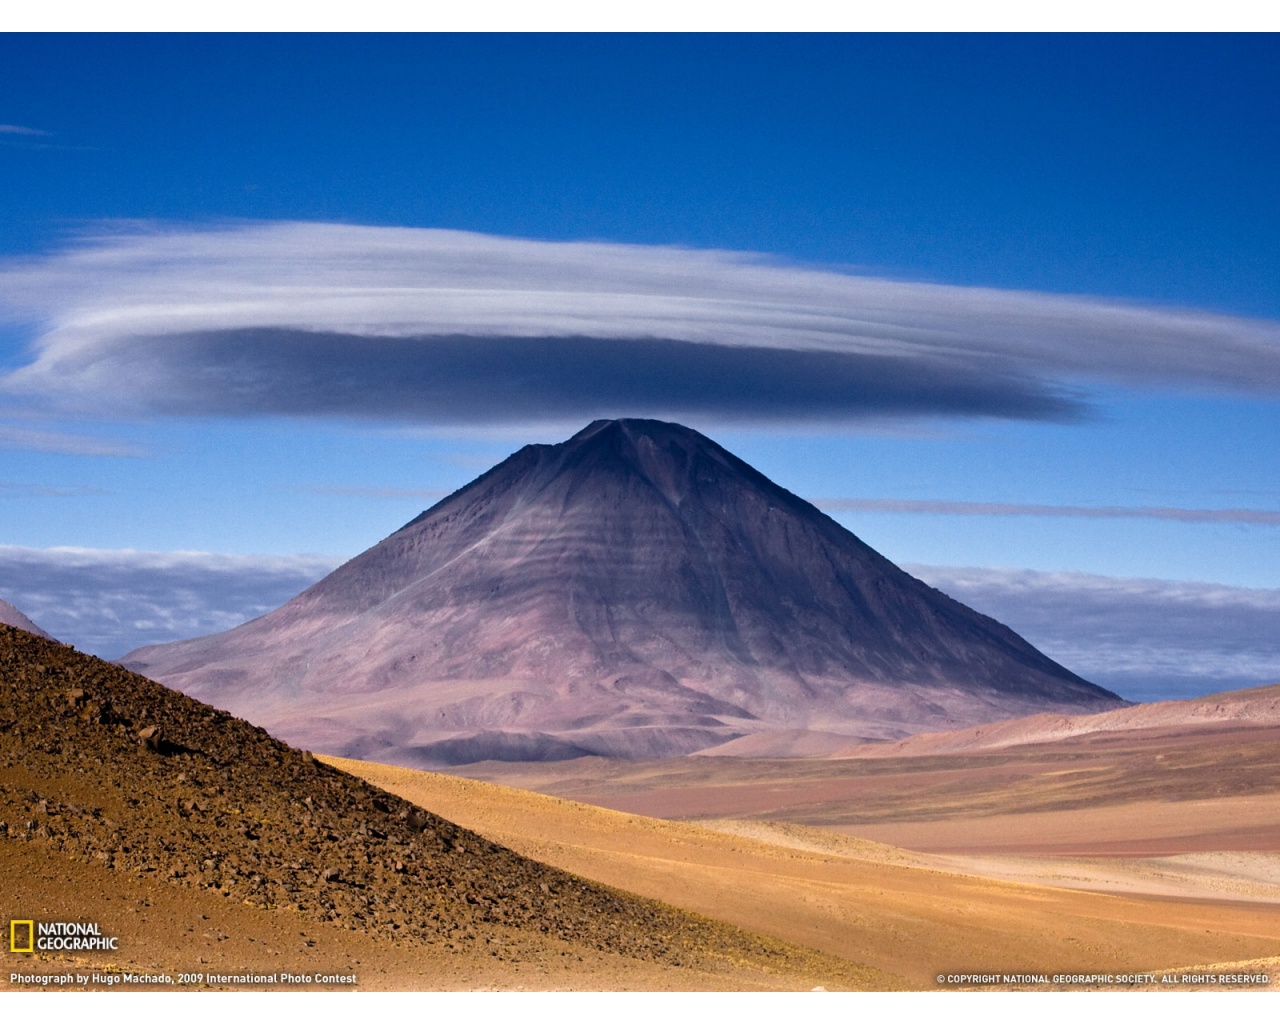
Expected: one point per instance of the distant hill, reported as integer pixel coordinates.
(1255, 707)
(11, 616)
(635, 591)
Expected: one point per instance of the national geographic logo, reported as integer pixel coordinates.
(30, 936)
(22, 936)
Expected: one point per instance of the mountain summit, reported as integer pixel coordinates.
(634, 591)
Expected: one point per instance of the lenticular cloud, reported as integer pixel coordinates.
(446, 326)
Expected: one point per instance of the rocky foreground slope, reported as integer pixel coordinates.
(103, 767)
(635, 591)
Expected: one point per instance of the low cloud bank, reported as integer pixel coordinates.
(453, 327)
(1248, 516)
(1145, 639)
(109, 602)
(59, 443)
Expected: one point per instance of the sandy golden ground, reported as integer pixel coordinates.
(1148, 793)
(908, 914)
(164, 929)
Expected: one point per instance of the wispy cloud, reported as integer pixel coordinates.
(1146, 639)
(109, 602)
(449, 327)
(9, 489)
(426, 493)
(1252, 516)
(53, 442)
(17, 129)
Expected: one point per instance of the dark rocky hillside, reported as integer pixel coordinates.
(102, 766)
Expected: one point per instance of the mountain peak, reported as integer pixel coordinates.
(638, 433)
(635, 590)
(671, 456)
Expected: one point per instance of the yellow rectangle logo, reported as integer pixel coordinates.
(22, 946)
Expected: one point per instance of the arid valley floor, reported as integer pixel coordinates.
(1061, 858)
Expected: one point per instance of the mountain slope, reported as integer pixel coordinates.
(112, 775)
(635, 591)
(11, 616)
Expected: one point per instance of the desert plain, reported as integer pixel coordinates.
(1152, 850)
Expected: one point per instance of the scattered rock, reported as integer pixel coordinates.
(256, 830)
(151, 738)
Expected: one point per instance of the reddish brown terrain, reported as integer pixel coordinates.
(907, 913)
(1146, 792)
(1043, 854)
(209, 847)
(1258, 707)
(636, 591)
(205, 845)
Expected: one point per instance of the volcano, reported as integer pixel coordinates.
(635, 591)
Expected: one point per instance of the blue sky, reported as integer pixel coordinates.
(967, 292)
